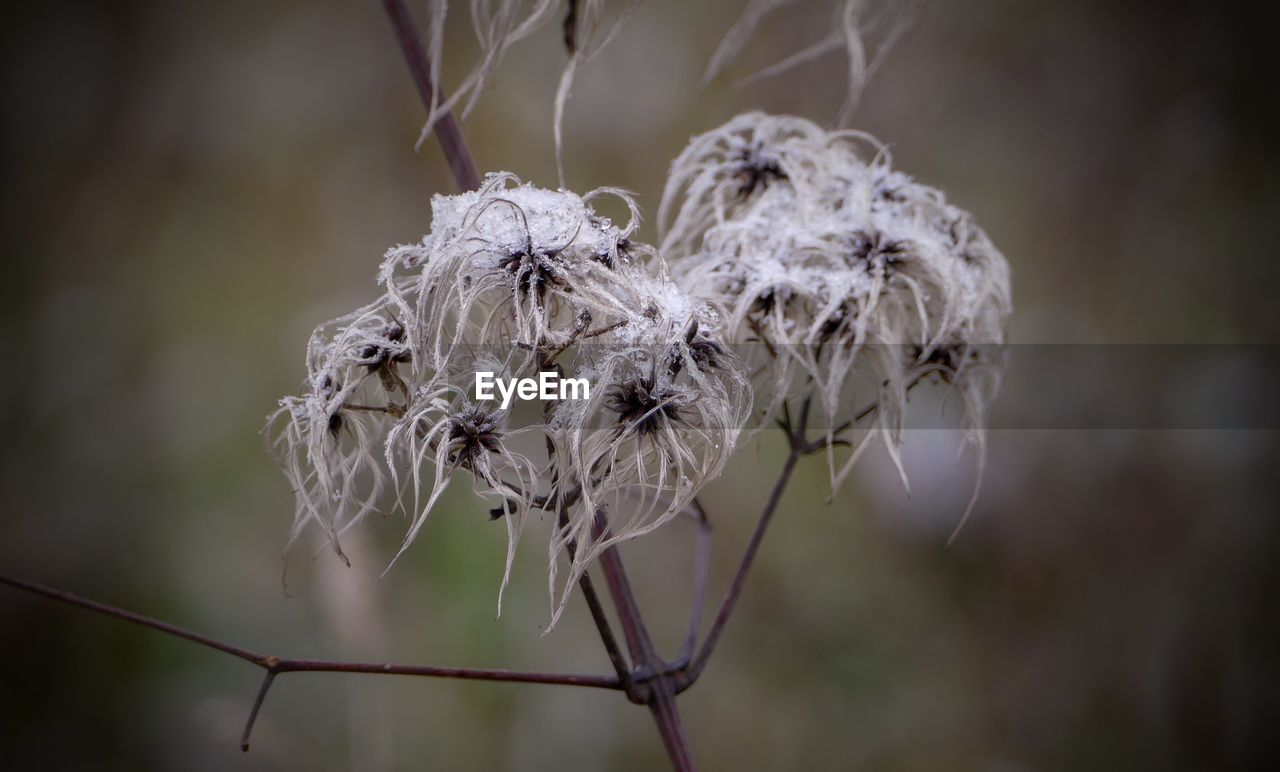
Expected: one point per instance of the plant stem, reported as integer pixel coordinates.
(662, 705)
(744, 567)
(286, 665)
(701, 570)
(276, 665)
(599, 616)
(446, 129)
(662, 688)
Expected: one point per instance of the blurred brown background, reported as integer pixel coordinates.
(190, 187)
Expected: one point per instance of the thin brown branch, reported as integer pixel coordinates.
(268, 678)
(138, 619)
(661, 683)
(744, 568)
(663, 707)
(275, 665)
(701, 566)
(615, 575)
(461, 673)
(600, 618)
(446, 128)
(286, 665)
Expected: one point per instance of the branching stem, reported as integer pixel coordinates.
(701, 570)
(731, 596)
(659, 693)
(276, 665)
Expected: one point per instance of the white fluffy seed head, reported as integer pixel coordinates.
(668, 403)
(838, 265)
(515, 279)
(325, 439)
(512, 264)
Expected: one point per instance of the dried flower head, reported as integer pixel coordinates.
(443, 432)
(512, 264)
(517, 280)
(837, 264)
(662, 421)
(326, 439)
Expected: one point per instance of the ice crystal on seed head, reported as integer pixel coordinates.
(838, 265)
(513, 264)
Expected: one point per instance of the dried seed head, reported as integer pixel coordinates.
(668, 405)
(839, 265)
(511, 264)
(514, 280)
(645, 406)
(443, 432)
(473, 432)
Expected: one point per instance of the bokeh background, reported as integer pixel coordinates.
(190, 186)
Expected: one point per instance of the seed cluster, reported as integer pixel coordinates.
(838, 266)
(800, 246)
(515, 280)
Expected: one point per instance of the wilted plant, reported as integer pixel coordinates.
(796, 270)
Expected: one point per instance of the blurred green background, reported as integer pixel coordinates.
(189, 187)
